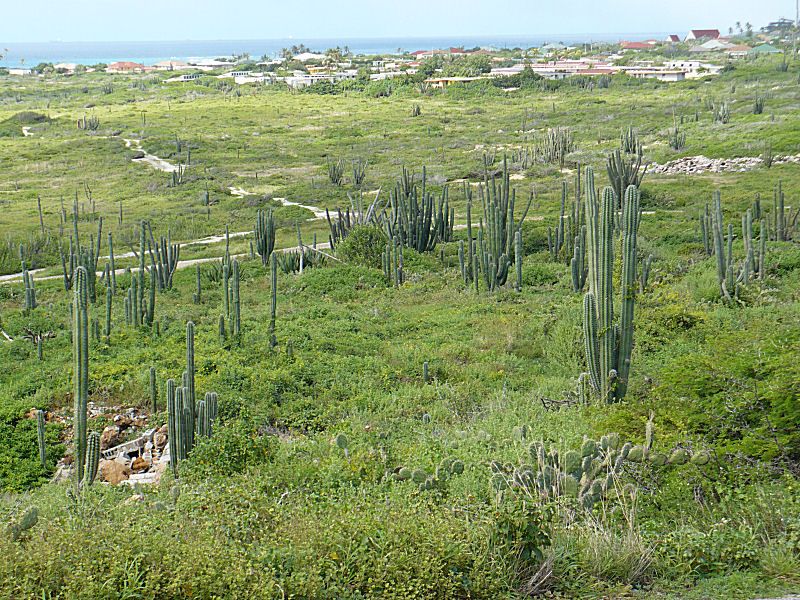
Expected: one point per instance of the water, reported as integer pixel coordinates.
(89, 53)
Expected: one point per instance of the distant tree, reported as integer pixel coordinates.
(739, 26)
(748, 27)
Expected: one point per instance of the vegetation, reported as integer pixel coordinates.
(541, 375)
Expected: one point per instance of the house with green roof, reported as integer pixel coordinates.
(765, 49)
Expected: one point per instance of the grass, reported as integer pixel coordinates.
(271, 506)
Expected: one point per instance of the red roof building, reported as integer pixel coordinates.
(673, 39)
(125, 67)
(635, 45)
(702, 34)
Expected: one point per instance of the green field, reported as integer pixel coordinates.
(299, 493)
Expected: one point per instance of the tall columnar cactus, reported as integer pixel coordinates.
(578, 262)
(40, 438)
(498, 228)
(265, 234)
(236, 320)
(112, 269)
(518, 259)
(273, 301)
(92, 459)
(608, 341)
(80, 372)
(196, 297)
(30, 289)
(190, 395)
(164, 258)
(109, 302)
(172, 425)
(226, 298)
(623, 172)
(153, 389)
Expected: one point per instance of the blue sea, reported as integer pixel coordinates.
(88, 53)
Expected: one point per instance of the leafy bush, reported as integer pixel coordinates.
(364, 245)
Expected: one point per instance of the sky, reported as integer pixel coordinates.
(146, 20)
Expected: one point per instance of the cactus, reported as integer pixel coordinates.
(578, 262)
(190, 394)
(196, 297)
(27, 521)
(644, 276)
(608, 342)
(273, 301)
(498, 230)
(92, 459)
(518, 259)
(265, 234)
(336, 171)
(30, 289)
(624, 172)
(153, 390)
(629, 141)
(40, 438)
(359, 171)
(112, 269)
(221, 329)
(236, 317)
(721, 113)
(80, 372)
(425, 372)
(109, 302)
(172, 426)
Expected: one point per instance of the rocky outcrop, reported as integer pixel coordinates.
(695, 165)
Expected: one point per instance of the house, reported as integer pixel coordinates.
(125, 67)
(714, 45)
(635, 46)
(737, 51)
(184, 77)
(307, 56)
(764, 49)
(694, 69)
(673, 39)
(19, 71)
(702, 34)
(171, 65)
(65, 67)
(658, 74)
(443, 82)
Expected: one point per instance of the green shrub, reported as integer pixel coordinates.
(364, 245)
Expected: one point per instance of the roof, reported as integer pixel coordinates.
(673, 38)
(764, 49)
(740, 48)
(635, 45)
(705, 33)
(125, 65)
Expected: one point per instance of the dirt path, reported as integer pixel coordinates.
(26, 132)
(150, 159)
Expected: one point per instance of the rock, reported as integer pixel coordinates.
(137, 155)
(134, 499)
(139, 464)
(110, 437)
(122, 421)
(160, 440)
(140, 421)
(114, 472)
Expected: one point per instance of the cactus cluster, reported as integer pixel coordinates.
(359, 171)
(608, 340)
(356, 214)
(393, 262)
(499, 240)
(265, 234)
(30, 289)
(624, 171)
(336, 171)
(556, 144)
(187, 419)
(416, 219)
(593, 473)
(89, 123)
(447, 469)
(629, 141)
(718, 241)
(567, 240)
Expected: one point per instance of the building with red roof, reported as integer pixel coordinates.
(702, 34)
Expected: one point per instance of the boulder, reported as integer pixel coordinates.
(139, 464)
(114, 472)
(110, 437)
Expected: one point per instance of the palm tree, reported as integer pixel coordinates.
(739, 26)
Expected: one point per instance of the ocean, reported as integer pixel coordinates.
(89, 53)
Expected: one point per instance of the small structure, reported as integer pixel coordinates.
(737, 51)
(184, 77)
(669, 75)
(307, 56)
(171, 65)
(635, 46)
(673, 39)
(443, 82)
(125, 67)
(764, 49)
(702, 34)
